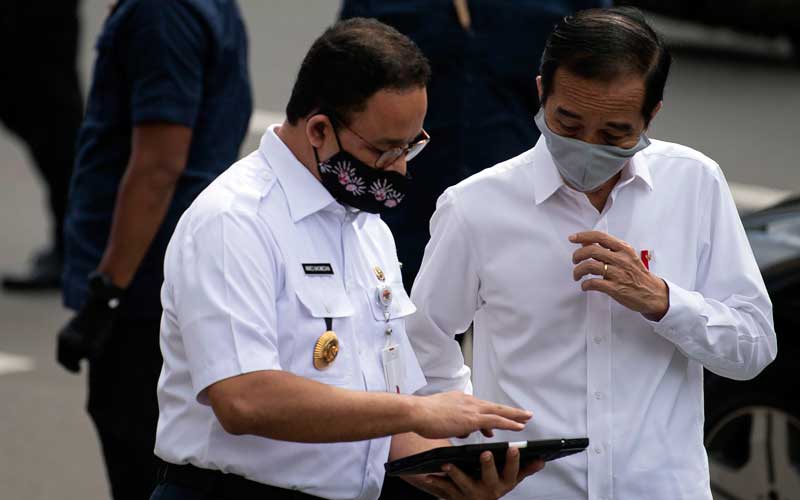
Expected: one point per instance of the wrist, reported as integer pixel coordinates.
(116, 276)
(661, 306)
(97, 313)
(102, 289)
(411, 410)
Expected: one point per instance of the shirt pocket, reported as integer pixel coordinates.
(320, 298)
(398, 308)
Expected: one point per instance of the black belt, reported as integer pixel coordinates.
(216, 483)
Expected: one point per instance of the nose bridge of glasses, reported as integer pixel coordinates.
(396, 164)
(389, 157)
(407, 152)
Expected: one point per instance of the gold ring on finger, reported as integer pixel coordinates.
(605, 270)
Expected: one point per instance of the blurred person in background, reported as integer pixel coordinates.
(168, 108)
(41, 103)
(484, 55)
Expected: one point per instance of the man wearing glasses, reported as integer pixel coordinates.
(287, 370)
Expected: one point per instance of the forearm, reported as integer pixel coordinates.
(734, 338)
(439, 354)
(142, 203)
(446, 292)
(280, 405)
(409, 443)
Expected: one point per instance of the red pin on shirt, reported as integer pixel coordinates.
(647, 256)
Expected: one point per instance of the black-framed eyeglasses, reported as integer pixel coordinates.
(387, 157)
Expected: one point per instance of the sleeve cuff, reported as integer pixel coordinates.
(684, 312)
(461, 383)
(230, 368)
(161, 109)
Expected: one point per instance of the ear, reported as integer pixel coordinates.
(317, 129)
(539, 87)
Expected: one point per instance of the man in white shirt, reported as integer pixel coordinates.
(602, 271)
(287, 371)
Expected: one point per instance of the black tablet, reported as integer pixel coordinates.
(467, 457)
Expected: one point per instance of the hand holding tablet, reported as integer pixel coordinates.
(467, 457)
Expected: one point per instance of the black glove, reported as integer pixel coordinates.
(87, 333)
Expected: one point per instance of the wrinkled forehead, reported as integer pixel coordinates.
(621, 97)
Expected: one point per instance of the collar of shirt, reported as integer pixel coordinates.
(547, 180)
(305, 194)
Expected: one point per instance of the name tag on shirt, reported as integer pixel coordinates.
(393, 369)
(318, 269)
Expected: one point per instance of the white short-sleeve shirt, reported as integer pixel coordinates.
(240, 295)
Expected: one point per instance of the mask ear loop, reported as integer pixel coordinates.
(316, 156)
(335, 136)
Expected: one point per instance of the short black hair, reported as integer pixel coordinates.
(350, 62)
(605, 44)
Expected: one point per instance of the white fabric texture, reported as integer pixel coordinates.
(237, 299)
(499, 255)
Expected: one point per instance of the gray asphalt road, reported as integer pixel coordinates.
(737, 108)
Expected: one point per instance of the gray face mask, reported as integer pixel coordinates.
(586, 166)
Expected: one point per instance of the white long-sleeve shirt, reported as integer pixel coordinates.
(499, 256)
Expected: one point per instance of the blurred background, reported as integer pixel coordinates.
(734, 94)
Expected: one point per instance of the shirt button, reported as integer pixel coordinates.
(598, 395)
(598, 450)
(598, 339)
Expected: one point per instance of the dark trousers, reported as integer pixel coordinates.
(40, 97)
(187, 482)
(123, 406)
(171, 491)
(395, 488)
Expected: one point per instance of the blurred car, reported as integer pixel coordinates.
(760, 17)
(753, 427)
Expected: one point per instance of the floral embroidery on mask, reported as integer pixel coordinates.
(383, 191)
(380, 189)
(348, 178)
(346, 175)
(393, 199)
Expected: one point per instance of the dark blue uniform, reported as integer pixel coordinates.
(481, 99)
(170, 61)
(175, 61)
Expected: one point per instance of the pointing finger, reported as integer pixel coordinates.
(600, 238)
